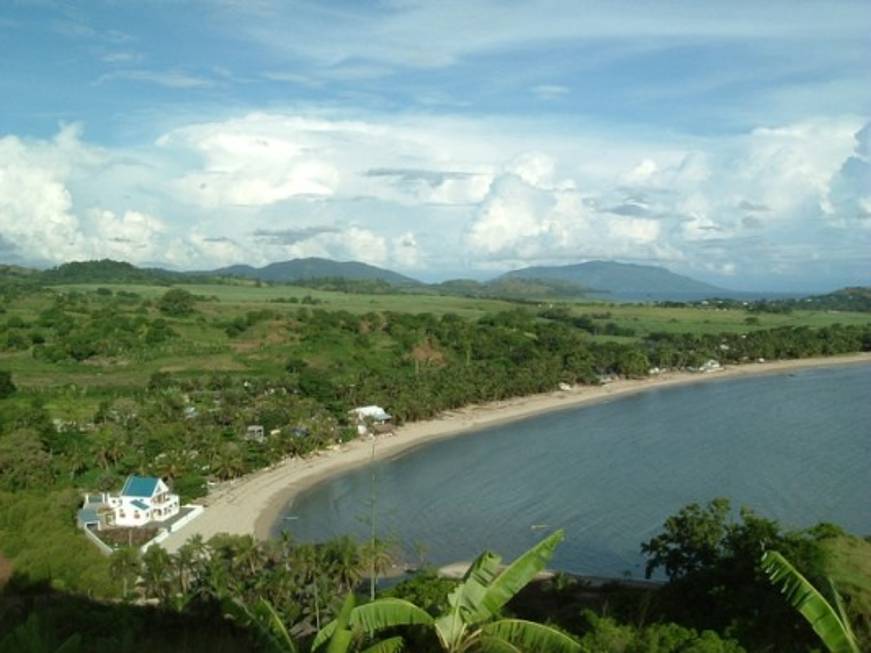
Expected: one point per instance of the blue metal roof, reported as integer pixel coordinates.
(139, 504)
(88, 516)
(139, 486)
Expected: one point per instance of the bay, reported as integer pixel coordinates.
(795, 447)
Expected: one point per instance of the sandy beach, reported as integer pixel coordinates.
(250, 505)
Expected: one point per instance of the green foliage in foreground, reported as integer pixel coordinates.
(718, 582)
(717, 601)
(471, 623)
(831, 623)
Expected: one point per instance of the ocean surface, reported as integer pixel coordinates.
(795, 447)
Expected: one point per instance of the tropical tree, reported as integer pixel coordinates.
(471, 622)
(157, 574)
(384, 613)
(831, 624)
(377, 556)
(126, 564)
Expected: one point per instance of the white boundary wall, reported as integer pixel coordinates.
(196, 511)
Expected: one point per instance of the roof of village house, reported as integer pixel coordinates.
(375, 412)
(88, 515)
(139, 504)
(139, 486)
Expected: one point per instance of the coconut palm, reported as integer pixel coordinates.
(377, 558)
(831, 624)
(126, 564)
(471, 622)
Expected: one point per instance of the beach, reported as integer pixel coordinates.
(251, 504)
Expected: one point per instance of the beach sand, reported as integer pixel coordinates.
(251, 504)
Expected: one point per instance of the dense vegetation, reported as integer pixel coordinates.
(717, 600)
(102, 380)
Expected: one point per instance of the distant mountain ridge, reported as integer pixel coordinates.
(605, 280)
(301, 269)
(622, 280)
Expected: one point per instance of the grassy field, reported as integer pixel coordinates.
(262, 349)
(251, 297)
(849, 566)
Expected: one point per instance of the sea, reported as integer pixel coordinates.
(795, 447)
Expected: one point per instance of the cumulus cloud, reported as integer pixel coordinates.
(36, 208)
(133, 236)
(527, 219)
(263, 159)
(421, 193)
(850, 193)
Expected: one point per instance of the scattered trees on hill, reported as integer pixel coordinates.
(176, 302)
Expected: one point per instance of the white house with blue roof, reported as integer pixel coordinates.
(143, 499)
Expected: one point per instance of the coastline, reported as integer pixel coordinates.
(250, 505)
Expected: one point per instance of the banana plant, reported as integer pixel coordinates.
(471, 623)
(339, 634)
(831, 624)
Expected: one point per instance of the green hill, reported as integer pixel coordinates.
(107, 271)
(314, 268)
(846, 299)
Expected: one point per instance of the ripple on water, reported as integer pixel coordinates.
(795, 447)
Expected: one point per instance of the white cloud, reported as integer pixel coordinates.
(417, 192)
(169, 78)
(36, 208)
(133, 236)
(549, 92)
(427, 34)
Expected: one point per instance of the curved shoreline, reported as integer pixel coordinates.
(252, 504)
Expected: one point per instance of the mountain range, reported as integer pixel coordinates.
(624, 280)
(600, 279)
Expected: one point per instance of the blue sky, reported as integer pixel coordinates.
(728, 141)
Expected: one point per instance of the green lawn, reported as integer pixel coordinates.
(649, 319)
(254, 298)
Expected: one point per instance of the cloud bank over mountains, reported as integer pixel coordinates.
(729, 142)
(424, 191)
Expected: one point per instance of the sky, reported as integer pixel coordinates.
(730, 141)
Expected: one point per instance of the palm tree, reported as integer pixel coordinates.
(346, 562)
(830, 624)
(377, 556)
(157, 574)
(125, 563)
(471, 622)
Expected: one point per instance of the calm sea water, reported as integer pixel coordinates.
(795, 447)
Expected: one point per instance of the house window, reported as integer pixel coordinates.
(136, 515)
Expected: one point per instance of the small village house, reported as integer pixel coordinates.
(255, 433)
(374, 417)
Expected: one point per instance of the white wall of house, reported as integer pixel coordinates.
(138, 511)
